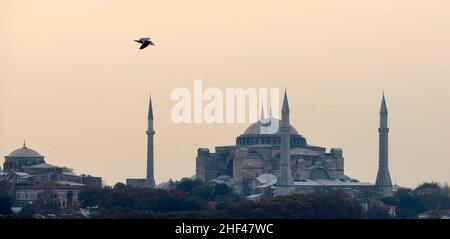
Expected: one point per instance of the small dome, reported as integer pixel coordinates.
(24, 152)
(256, 127)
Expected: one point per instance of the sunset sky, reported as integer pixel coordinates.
(74, 84)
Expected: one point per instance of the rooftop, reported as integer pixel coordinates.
(329, 182)
(42, 165)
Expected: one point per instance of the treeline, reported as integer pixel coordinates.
(185, 195)
(426, 197)
(5, 199)
(195, 199)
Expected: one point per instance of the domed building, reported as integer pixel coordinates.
(22, 157)
(30, 178)
(260, 150)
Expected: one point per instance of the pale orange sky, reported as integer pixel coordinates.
(75, 86)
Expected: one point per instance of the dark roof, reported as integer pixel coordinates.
(50, 185)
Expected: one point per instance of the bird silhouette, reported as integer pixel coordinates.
(145, 42)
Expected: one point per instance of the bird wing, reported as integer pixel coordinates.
(144, 45)
(138, 41)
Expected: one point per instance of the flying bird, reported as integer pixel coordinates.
(145, 41)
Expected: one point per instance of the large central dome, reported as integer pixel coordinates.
(267, 132)
(258, 127)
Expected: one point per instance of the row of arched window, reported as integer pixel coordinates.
(271, 140)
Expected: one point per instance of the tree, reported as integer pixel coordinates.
(5, 200)
(5, 205)
(408, 206)
(433, 196)
(377, 213)
(143, 199)
(119, 186)
(221, 189)
(187, 185)
(327, 205)
(203, 191)
(91, 197)
(40, 207)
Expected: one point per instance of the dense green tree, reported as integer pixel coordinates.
(119, 186)
(378, 213)
(43, 207)
(145, 199)
(196, 199)
(221, 189)
(4, 189)
(5, 200)
(90, 197)
(407, 205)
(328, 205)
(188, 185)
(5, 205)
(203, 191)
(427, 196)
(433, 195)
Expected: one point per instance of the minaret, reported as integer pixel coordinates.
(285, 184)
(150, 133)
(383, 183)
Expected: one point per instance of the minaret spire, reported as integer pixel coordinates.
(285, 184)
(150, 134)
(285, 107)
(262, 112)
(383, 182)
(150, 108)
(383, 108)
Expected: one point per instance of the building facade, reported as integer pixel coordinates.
(30, 179)
(286, 154)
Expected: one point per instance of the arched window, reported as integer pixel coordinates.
(319, 173)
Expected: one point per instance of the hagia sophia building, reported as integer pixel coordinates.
(283, 162)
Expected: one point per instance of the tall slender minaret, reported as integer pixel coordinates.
(285, 184)
(150, 133)
(383, 183)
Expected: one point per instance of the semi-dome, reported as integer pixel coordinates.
(24, 152)
(266, 131)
